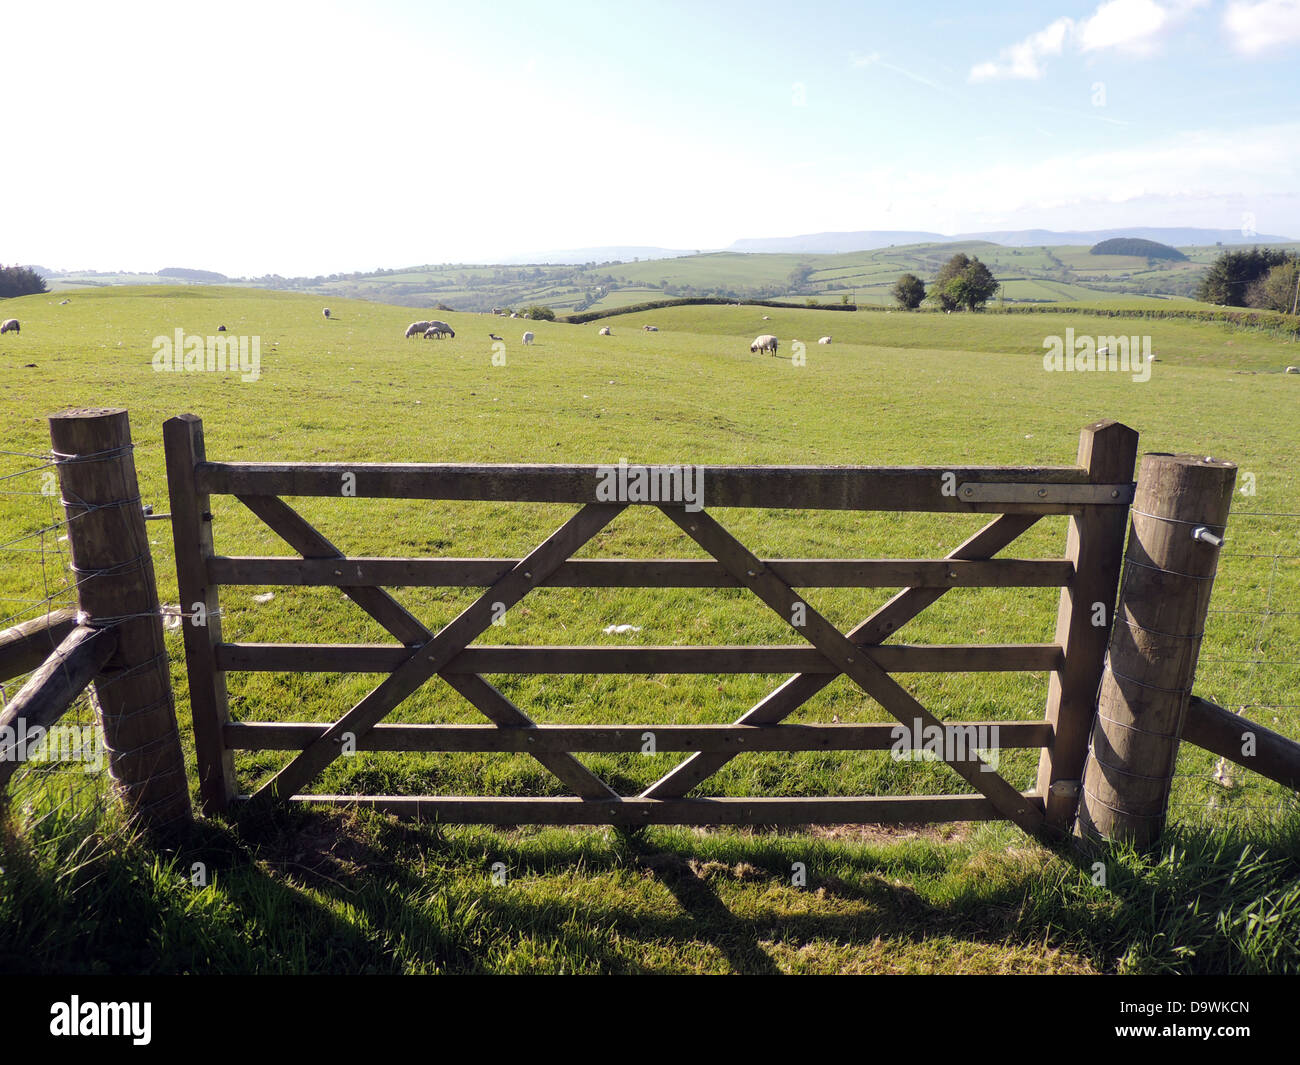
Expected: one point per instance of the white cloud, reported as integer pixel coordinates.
(1256, 27)
(1127, 25)
(1024, 59)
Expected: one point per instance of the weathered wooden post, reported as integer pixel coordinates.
(109, 546)
(1178, 520)
(1095, 544)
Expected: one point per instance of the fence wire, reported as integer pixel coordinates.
(67, 772)
(1249, 664)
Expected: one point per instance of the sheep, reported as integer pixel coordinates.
(824, 340)
(432, 334)
(513, 315)
(417, 329)
(650, 328)
(528, 338)
(1289, 369)
(64, 303)
(326, 312)
(442, 327)
(605, 332)
(10, 325)
(766, 342)
(767, 317)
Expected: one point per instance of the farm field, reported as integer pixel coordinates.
(1059, 274)
(895, 389)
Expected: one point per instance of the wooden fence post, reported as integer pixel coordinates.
(1095, 544)
(109, 545)
(1178, 520)
(192, 534)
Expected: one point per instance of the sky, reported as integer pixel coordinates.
(306, 139)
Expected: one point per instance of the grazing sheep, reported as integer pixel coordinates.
(10, 325)
(326, 312)
(432, 334)
(64, 303)
(767, 317)
(221, 329)
(526, 314)
(650, 328)
(528, 338)
(605, 332)
(513, 315)
(1289, 369)
(824, 340)
(766, 342)
(417, 329)
(442, 327)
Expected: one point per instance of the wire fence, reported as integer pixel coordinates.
(65, 770)
(1249, 663)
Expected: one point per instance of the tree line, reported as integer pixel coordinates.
(1264, 278)
(20, 281)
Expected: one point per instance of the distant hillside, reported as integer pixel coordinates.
(1148, 249)
(830, 243)
(869, 240)
(610, 254)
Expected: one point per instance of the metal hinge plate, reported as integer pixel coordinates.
(1069, 494)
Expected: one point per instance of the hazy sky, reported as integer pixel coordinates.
(301, 139)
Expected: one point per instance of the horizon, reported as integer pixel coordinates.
(290, 136)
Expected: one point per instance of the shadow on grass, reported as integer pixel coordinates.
(302, 891)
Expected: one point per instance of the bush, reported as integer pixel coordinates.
(540, 313)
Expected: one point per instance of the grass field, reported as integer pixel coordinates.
(891, 389)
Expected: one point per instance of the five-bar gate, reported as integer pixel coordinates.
(1095, 494)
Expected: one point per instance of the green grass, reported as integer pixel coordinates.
(892, 389)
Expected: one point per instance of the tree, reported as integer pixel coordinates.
(963, 281)
(20, 281)
(1232, 273)
(1276, 290)
(540, 313)
(909, 291)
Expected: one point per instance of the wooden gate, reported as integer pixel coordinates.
(1095, 493)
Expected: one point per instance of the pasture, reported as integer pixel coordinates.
(892, 389)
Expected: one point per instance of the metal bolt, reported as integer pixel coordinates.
(527, 575)
(969, 491)
(1114, 493)
(750, 573)
(952, 574)
(1205, 536)
(1042, 493)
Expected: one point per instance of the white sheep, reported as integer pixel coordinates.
(605, 332)
(1289, 369)
(417, 329)
(10, 325)
(650, 328)
(824, 340)
(528, 338)
(767, 317)
(442, 327)
(765, 342)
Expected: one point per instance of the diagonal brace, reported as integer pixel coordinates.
(748, 569)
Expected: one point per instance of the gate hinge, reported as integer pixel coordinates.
(1069, 494)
